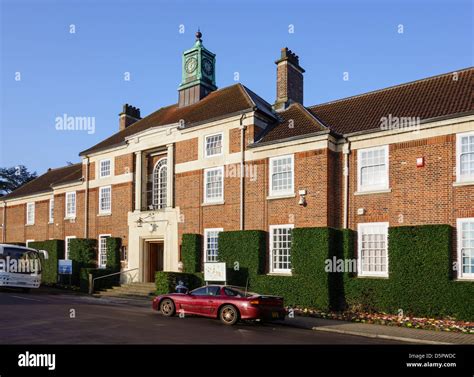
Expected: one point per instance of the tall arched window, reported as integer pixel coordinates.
(160, 173)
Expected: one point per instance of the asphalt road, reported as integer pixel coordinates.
(43, 317)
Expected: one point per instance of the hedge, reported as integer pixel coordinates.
(166, 281)
(104, 283)
(420, 276)
(114, 244)
(83, 253)
(244, 254)
(191, 252)
(55, 249)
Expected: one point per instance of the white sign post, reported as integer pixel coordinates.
(215, 271)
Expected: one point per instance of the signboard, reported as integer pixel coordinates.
(214, 272)
(65, 266)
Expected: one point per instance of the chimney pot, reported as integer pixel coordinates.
(128, 116)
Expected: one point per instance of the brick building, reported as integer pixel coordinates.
(226, 159)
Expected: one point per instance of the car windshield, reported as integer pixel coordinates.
(238, 292)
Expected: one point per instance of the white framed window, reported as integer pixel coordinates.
(70, 204)
(372, 169)
(214, 185)
(27, 242)
(372, 249)
(103, 250)
(465, 157)
(105, 168)
(211, 244)
(213, 145)
(105, 199)
(51, 210)
(280, 248)
(30, 213)
(465, 234)
(281, 175)
(67, 250)
(160, 183)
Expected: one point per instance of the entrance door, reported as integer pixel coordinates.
(155, 260)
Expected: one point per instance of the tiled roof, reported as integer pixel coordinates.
(222, 102)
(43, 183)
(294, 121)
(432, 97)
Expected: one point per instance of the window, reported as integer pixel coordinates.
(465, 157)
(465, 230)
(373, 249)
(30, 213)
(51, 210)
(372, 172)
(160, 174)
(280, 248)
(104, 168)
(214, 185)
(281, 175)
(123, 254)
(71, 204)
(210, 290)
(213, 145)
(211, 244)
(68, 246)
(103, 250)
(105, 199)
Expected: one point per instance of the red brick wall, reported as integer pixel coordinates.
(124, 164)
(186, 150)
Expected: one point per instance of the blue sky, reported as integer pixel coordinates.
(82, 74)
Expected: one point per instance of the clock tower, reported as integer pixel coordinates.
(198, 74)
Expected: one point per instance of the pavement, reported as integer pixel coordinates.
(404, 334)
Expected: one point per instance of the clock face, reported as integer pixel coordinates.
(191, 65)
(207, 67)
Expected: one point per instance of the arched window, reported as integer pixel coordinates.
(160, 173)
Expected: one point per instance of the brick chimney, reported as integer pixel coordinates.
(128, 116)
(289, 80)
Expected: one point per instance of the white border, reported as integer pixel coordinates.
(360, 273)
(278, 270)
(374, 188)
(218, 199)
(291, 191)
(460, 275)
(459, 179)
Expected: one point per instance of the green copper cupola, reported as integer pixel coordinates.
(198, 73)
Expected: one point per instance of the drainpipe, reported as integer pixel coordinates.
(242, 160)
(346, 150)
(4, 223)
(86, 201)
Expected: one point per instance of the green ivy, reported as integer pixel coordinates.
(55, 249)
(191, 252)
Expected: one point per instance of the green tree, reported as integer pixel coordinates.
(14, 177)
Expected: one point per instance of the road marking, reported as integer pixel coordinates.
(24, 298)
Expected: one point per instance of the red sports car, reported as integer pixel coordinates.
(228, 303)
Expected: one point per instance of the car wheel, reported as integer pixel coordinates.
(167, 307)
(229, 315)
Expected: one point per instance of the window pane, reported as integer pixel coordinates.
(213, 145)
(373, 250)
(281, 249)
(373, 167)
(282, 174)
(160, 176)
(214, 189)
(212, 245)
(467, 247)
(105, 168)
